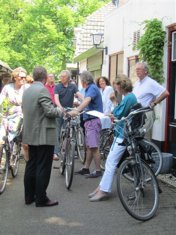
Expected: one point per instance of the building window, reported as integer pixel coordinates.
(136, 37)
(116, 65)
(131, 68)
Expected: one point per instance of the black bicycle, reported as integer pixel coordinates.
(137, 185)
(80, 141)
(10, 154)
(106, 140)
(150, 152)
(72, 139)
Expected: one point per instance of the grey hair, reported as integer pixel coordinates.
(67, 72)
(144, 64)
(86, 77)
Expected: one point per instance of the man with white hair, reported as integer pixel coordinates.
(64, 96)
(92, 101)
(148, 92)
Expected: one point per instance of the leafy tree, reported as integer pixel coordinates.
(11, 16)
(40, 32)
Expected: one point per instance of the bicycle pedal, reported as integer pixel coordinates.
(131, 197)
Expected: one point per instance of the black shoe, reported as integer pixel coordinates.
(94, 174)
(47, 203)
(29, 201)
(83, 171)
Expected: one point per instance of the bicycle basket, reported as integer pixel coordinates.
(138, 120)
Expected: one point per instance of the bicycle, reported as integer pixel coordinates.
(80, 142)
(10, 154)
(71, 138)
(151, 154)
(106, 140)
(137, 185)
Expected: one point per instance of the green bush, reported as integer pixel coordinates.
(151, 48)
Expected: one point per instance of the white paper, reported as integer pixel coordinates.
(96, 114)
(105, 120)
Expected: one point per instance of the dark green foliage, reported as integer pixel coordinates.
(151, 48)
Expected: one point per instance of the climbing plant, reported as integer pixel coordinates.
(151, 48)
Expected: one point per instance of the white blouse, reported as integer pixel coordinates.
(107, 103)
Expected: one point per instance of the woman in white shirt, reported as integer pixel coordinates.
(106, 90)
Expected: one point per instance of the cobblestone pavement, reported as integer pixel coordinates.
(75, 215)
(168, 179)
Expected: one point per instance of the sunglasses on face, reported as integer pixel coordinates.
(22, 77)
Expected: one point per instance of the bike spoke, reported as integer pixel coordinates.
(140, 195)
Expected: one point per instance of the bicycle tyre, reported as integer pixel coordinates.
(4, 164)
(105, 146)
(137, 198)
(69, 164)
(80, 145)
(15, 159)
(152, 156)
(63, 140)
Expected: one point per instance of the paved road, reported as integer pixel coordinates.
(76, 215)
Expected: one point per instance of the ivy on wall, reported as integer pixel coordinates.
(151, 48)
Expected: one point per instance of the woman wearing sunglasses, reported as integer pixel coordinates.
(10, 104)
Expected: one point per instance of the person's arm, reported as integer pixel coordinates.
(113, 98)
(84, 104)
(3, 95)
(163, 96)
(79, 96)
(76, 111)
(57, 101)
(48, 107)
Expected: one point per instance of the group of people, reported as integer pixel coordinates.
(146, 91)
(42, 104)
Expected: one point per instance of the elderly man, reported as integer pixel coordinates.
(148, 92)
(92, 101)
(64, 93)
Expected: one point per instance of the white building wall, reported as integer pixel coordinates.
(119, 28)
(82, 67)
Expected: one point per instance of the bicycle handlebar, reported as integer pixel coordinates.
(72, 109)
(140, 110)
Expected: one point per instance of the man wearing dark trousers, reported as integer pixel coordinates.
(40, 134)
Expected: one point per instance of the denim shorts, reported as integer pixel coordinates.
(92, 133)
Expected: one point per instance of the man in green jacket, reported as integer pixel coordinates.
(40, 134)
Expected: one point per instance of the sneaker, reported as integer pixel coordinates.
(94, 174)
(55, 157)
(83, 171)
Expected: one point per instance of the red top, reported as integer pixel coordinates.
(51, 91)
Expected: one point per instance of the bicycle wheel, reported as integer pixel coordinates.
(139, 197)
(105, 146)
(69, 164)
(80, 145)
(15, 158)
(63, 140)
(152, 155)
(4, 168)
